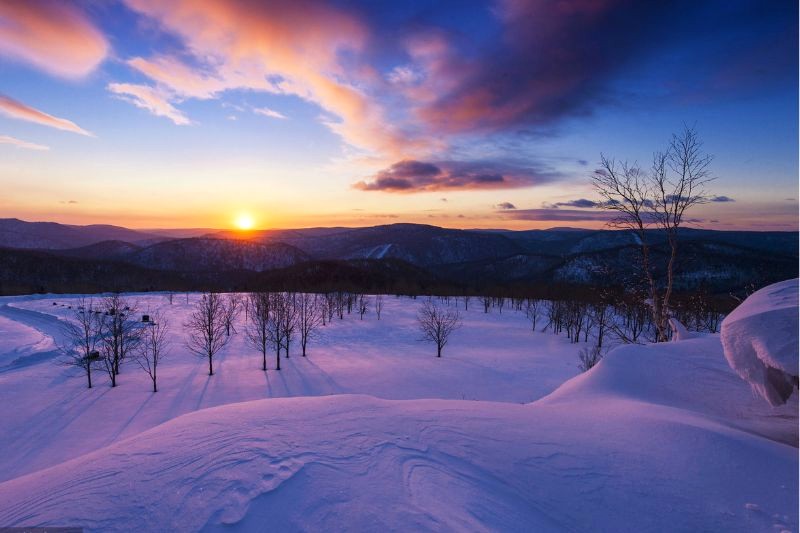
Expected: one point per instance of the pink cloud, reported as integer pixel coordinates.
(151, 99)
(283, 47)
(18, 110)
(51, 35)
(5, 139)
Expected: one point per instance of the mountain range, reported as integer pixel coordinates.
(421, 255)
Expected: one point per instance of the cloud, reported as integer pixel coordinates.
(722, 199)
(51, 35)
(505, 206)
(582, 203)
(411, 176)
(267, 112)
(18, 110)
(151, 99)
(304, 48)
(391, 84)
(560, 215)
(5, 139)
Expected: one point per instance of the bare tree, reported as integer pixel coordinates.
(437, 323)
(589, 357)
(289, 322)
(487, 303)
(81, 337)
(363, 305)
(275, 331)
(153, 346)
(680, 175)
(532, 306)
(121, 333)
(676, 182)
(233, 306)
(257, 330)
(309, 317)
(378, 305)
(206, 327)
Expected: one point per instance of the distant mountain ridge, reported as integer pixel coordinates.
(15, 233)
(720, 260)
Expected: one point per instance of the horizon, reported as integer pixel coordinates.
(299, 228)
(222, 115)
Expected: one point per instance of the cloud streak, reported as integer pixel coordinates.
(559, 215)
(267, 112)
(51, 35)
(15, 109)
(151, 99)
(411, 176)
(6, 139)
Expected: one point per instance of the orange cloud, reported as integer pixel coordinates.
(284, 47)
(51, 35)
(18, 110)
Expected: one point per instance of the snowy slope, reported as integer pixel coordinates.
(592, 457)
(654, 438)
(761, 340)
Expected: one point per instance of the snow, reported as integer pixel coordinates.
(371, 431)
(760, 338)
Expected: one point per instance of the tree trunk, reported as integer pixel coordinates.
(668, 292)
(438, 351)
(210, 366)
(278, 358)
(264, 355)
(89, 374)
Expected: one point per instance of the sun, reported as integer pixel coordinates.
(244, 222)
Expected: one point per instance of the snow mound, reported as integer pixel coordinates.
(645, 441)
(760, 338)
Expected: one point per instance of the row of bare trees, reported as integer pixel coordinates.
(107, 334)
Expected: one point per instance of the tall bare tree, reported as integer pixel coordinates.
(81, 336)
(277, 317)
(437, 323)
(289, 321)
(378, 305)
(233, 307)
(258, 323)
(206, 327)
(659, 198)
(532, 306)
(680, 175)
(121, 333)
(153, 346)
(363, 305)
(309, 317)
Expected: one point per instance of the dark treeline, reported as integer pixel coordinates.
(30, 272)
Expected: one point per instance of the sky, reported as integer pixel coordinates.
(467, 114)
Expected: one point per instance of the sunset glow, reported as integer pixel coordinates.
(245, 222)
(369, 113)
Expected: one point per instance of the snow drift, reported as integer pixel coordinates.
(663, 437)
(760, 338)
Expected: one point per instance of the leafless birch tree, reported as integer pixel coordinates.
(206, 327)
(153, 346)
(81, 337)
(437, 323)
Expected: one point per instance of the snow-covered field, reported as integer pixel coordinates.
(371, 432)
